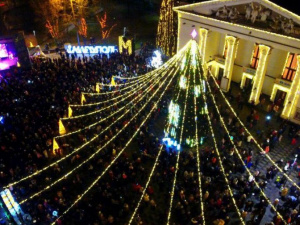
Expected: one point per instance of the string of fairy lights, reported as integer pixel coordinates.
(149, 177)
(123, 149)
(139, 78)
(177, 57)
(131, 93)
(162, 78)
(254, 140)
(197, 144)
(240, 157)
(178, 154)
(172, 61)
(93, 155)
(106, 144)
(86, 143)
(130, 85)
(146, 185)
(110, 107)
(221, 164)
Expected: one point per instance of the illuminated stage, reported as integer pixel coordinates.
(8, 53)
(6, 63)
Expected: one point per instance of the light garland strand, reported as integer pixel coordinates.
(67, 156)
(95, 153)
(100, 110)
(240, 157)
(127, 94)
(148, 89)
(85, 144)
(197, 145)
(139, 86)
(151, 76)
(165, 65)
(146, 186)
(221, 164)
(254, 140)
(126, 145)
(149, 179)
(178, 154)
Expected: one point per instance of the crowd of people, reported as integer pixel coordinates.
(34, 100)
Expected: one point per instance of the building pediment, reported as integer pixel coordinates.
(259, 14)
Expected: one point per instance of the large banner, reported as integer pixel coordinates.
(98, 49)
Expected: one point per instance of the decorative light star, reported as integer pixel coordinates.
(194, 33)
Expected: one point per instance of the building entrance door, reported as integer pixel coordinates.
(248, 82)
(221, 73)
(280, 97)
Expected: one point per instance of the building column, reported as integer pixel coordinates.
(293, 96)
(230, 57)
(258, 79)
(202, 45)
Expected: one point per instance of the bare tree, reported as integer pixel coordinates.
(105, 29)
(50, 11)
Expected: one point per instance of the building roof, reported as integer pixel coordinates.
(261, 14)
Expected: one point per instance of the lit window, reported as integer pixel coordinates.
(255, 57)
(290, 67)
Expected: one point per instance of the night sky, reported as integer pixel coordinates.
(290, 5)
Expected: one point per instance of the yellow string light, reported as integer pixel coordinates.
(166, 35)
(178, 154)
(149, 178)
(67, 156)
(95, 153)
(85, 144)
(254, 140)
(223, 171)
(134, 82)
(219, 157)
(133, 90)
(197, 147)
(110, 115)
(126, 145)
(240, 157)
(149, 74)
(146, 186)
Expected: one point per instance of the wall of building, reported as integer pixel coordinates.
(215, 47)
(275, 66)
(185, 32)
(244, 52)
(212, 45)
(243, 58)
(221, 44)
(276, 63)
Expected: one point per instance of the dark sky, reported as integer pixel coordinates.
(290, 5)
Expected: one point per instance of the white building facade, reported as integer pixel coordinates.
(255, 43)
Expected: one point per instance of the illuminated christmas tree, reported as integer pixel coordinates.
(167, 27)
(187, 109)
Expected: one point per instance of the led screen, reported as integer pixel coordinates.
(3, 51)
